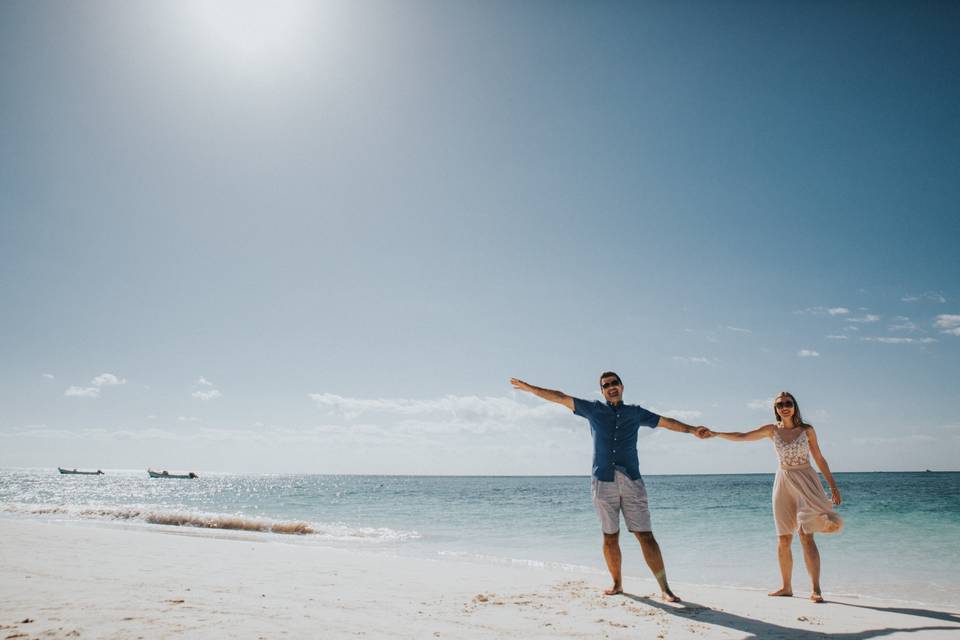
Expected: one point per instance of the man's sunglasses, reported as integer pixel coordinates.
(607, 385)
(786, 404)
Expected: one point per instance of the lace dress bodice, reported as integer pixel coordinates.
(794, 453)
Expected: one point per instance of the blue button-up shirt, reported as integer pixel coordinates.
(614, 429)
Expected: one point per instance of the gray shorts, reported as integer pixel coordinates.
(623, 494)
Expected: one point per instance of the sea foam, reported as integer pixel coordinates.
(328, 531)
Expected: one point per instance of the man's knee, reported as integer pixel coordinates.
(645, 537)
(611, 539)
(785, 540)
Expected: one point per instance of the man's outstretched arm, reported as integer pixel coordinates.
(680, 427)
(547, 394)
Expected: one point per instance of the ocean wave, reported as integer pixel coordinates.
(200, 520)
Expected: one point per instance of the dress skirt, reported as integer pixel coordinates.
(799, 502)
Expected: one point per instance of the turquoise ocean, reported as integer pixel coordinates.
(901, 540)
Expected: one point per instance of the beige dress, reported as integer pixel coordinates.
(798, 497)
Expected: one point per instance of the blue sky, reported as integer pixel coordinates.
(321, 237)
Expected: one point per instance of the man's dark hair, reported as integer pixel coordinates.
(610, 374)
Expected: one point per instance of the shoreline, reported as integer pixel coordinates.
(94, 580)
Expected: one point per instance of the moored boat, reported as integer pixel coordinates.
(166, 474)
(75, 472)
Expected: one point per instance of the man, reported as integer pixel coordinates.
(617, 485)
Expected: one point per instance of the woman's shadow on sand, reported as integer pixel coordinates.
(765, 630)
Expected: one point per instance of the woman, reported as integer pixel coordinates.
(798, 499)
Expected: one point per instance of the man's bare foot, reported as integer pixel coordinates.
(816, 597)
(614, 590)
(669, 596)
(784, 592)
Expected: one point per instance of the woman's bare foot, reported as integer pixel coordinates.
(816, 597)
(669, 596)
(785, 592)
(616, 589)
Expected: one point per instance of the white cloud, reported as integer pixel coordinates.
(892, 340)
(684, 415)
(693, 360)
(48, 376)
(851, 328)
(102, 380)
(38, 431)
(903, 323)
(896, 440)
(739, 330)
(808, 353)
(451, 412)
(152, 416)
(949, 324)
(758, 405)
(825, 311)
(107, 380)
(317, 435)
(869, 317)
(203, 381)
(408, 418)
(188, 419)
(213, 394)
(82, 392)
(151, 433)
(928, 296)
(832, 337)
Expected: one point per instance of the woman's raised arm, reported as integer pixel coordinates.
(760, 433)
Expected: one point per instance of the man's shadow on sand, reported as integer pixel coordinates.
(760, 629)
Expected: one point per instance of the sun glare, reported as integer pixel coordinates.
(254, 32)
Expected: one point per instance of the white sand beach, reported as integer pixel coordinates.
(70, 580)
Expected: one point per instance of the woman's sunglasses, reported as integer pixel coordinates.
(786, 404)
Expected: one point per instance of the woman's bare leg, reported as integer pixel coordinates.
(785, 557)
(811, 556)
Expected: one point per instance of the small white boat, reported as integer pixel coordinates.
(166, 474)
(75, 472)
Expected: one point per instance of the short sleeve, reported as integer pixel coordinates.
(583, 408)
(647, 418)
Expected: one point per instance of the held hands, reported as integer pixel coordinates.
(703, 433)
